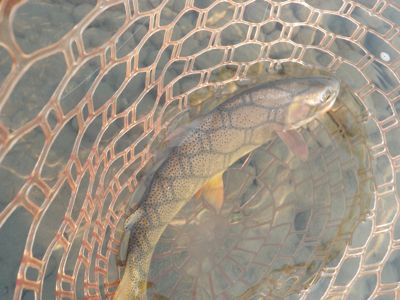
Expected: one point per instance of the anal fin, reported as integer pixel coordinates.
(128, 225)
(123, 248)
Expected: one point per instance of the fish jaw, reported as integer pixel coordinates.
(312, 101)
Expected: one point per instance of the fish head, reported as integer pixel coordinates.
(310, 97)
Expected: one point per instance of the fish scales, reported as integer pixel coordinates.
(233, 129)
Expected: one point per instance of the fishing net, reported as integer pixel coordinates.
(88, 90)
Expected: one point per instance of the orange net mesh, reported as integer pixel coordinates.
(88, 88)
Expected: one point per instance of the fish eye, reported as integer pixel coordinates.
(326, 95)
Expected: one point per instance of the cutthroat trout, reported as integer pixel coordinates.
(233, 129)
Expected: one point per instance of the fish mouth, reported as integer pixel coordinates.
(320, 110)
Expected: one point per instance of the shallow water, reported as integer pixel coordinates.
(88, 92)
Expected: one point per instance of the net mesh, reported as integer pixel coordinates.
(87, 90)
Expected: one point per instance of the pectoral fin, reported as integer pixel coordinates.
(295, 142)
(213, 192)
